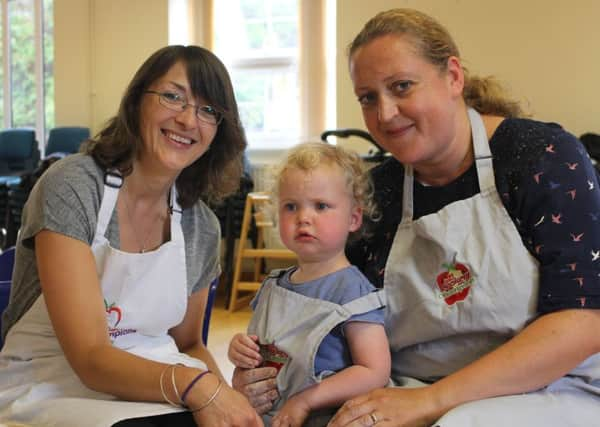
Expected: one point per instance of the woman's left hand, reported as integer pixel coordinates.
(406, 407)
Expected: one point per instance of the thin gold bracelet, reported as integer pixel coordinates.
(162, 389)
(210, 399)
(175, 385)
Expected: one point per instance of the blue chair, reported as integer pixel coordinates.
(210, 302)
(4, 294)
(19, 152)
(66, 139)
(7, 261)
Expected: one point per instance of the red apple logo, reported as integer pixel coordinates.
(454, 283)
(272, 356)
(113, 315)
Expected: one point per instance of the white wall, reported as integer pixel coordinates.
(99, 44)
(546, 52)
(72, 68)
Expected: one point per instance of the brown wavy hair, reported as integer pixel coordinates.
(217, 172)
(434, 43)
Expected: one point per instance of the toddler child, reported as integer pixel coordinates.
(320, 322)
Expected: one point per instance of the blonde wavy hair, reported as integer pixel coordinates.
(309, 156)
(434, 43)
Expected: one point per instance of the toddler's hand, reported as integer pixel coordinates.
(292, 414)
(244, 351)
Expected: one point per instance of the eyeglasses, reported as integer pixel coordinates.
(175, 102)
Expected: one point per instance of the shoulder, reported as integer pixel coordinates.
(528, 138)
(73, 173)
(65, 199)
(75, 182)
(346, 285)
(520, 146)
(76, 165)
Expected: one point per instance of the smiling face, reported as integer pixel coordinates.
(409, 105)
(172, 140)
(316, 213)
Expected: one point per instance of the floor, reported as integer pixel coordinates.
(223, 326)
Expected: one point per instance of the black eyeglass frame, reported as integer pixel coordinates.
(180, 107)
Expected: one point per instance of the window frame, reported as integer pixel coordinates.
(40, 113)
(314, 111)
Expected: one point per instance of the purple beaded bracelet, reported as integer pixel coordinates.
(191, 384)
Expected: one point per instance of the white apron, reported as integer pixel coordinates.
(297, 325)
(460, 283)
(144, 295)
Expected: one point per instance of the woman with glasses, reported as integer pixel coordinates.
(115, 255)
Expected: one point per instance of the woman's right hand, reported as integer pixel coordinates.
(229, 409)
(259, 385)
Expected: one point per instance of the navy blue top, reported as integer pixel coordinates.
(549, 188)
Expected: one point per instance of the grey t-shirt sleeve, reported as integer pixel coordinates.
(65, 200)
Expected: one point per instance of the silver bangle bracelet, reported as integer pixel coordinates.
(210, 399)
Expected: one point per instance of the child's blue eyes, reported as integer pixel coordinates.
(292, 207)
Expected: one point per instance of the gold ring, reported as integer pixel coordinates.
(373, 418)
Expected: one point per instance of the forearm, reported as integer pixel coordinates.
(130, 377)
(335, 390)
(543, 352)
(201, 352)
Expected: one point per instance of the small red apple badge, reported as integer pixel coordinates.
(454, 283)
(113, 315)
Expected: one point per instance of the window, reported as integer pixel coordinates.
(270, 48)
(27, 89)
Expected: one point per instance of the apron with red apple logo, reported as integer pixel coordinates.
(144, 295)
(459, 283)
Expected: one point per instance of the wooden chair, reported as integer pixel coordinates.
(253, 212)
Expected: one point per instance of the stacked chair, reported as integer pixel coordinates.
(20, 167)
(66, 139)
(19, 152)
(19, 156)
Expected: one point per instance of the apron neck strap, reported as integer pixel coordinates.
(369, 302)
(113, 181)
(482, 152)
(174, 208)
(483, 165)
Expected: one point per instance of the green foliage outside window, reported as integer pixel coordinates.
(22, 64)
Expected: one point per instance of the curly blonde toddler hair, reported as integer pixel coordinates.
(308, 156)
